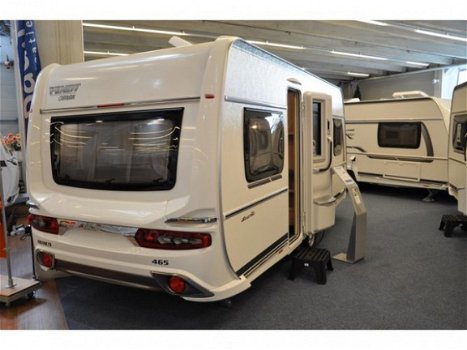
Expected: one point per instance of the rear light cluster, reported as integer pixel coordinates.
(44, 223)
(162, 239)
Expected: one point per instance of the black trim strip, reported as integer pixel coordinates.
(265, 181)
(248, 266)
(116, 277)
(238, 211)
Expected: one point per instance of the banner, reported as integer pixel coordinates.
(29, 64)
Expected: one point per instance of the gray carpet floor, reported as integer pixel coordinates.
(412, 278)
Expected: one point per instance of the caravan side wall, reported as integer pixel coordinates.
(398, 142)
(256, 212)
(457, 147)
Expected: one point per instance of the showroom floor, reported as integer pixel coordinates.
(412, 278)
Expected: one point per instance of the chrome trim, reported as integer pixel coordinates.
(32, 205)
(248, 206)
(126, 104)
(188, 220)
(253, 103)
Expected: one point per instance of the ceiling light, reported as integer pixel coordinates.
(267, 43)
(378, 23)
(358, 55)
(446, 36)
(420, 64)
(103, 53)
(361, 75)
(134, 29)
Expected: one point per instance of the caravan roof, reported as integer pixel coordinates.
(401, 108)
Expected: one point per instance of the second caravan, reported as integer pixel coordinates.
(191, 169)
(400, 141)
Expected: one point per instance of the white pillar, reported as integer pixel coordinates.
(60, 42)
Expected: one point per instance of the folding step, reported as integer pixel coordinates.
(316, 258)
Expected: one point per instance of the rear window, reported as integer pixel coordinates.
(126, 151)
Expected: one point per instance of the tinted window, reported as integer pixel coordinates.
(263, 144)
(317, 123)
(117, 151)
(399, 135)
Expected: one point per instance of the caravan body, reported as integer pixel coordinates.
(191, 169)
(398, 142)
(457, 147)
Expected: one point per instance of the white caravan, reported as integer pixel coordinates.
(191, 169)
(400, 141)
(10, 174)
(457, 147)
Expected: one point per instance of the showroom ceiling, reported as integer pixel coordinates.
(335, 50)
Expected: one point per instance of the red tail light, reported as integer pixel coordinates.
(161, 239)
(46, 259)
(177, 284)
(44, 223)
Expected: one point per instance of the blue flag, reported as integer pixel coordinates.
(29, 63)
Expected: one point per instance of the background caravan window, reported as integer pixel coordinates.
(125, 151)
(460, 133)
(399, 135)
(263, 144)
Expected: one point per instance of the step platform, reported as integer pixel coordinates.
(316, 258)
(450, 222)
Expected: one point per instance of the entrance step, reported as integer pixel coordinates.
(316, 258)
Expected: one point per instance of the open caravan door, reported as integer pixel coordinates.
(318, 200)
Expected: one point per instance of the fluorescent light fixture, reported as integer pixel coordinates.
(357, 55)
(440, 35)
(267, 43)
(360, 75)
(103, 53)
(134, 29)
(378, 23)
(420, 64)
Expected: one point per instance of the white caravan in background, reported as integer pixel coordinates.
(10, 174)
(400, 141)
(191, 169)
(457, 147)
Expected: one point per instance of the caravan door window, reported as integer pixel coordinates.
(338, 136)
(318, 117)
(126, 151)
(399, 135)
(263, 144)
(460, 133)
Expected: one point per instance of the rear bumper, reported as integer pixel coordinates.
(120, 262)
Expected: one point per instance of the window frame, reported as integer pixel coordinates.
(393, 145)
(459, 120)
(252, 178)
(173, 114)
(341, 136)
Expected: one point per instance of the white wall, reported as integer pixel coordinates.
(8, 106)
(434, 82)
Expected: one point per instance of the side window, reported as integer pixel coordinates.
(399, 135)
(338, 136)
(317, 125)
(460, 133)
(263, 142)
